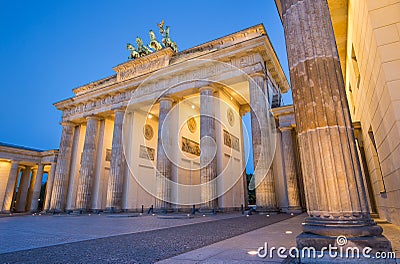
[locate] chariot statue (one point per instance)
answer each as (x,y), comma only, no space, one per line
(166,40)
(154,44)
(134,54)
(142,49)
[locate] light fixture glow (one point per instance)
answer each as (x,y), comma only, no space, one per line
(288,232)
(252,252)
(149,116)
(231,98)
(192,106)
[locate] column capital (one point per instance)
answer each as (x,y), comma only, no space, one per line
(119,109)
(258,74)
(92,117)
(285,128)
(244,109)
(67,123)
(208,87)
(166,98)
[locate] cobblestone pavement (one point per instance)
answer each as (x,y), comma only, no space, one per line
(146,239)
(27,232)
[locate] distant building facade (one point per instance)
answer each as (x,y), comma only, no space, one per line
(21,172)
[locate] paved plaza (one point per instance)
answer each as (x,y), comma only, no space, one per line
(221,238)
(101,238)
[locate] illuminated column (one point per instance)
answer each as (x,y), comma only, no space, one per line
(49,187)
(163,189)
(60,185)
(265,191)
(336,198)
(37,185)
(128,123)
(10,189)
(208,161)
(30,190)
(88,162)
(117,165)
(289,166)
(242,112)
(23,189)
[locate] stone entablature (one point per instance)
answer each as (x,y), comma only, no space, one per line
(284,116)
(143,65)
(95,85)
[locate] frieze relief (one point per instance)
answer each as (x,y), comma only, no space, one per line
(204,71)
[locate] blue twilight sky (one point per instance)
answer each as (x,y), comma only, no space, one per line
(50,47)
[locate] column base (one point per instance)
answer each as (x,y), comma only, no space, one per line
(112,210)
(294,210)
(163,210)
(212,211)
(332,249)
(350,228)
(55,211)
(266,210)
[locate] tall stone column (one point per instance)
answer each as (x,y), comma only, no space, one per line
(289,167)
(208,145)
(88,162)
(335,194)
(60,185)
(117,166)
(37,185)
(242,112)
(49,187)
(10,188)
(163,189)
(23,190)
(265,191)
(31,187)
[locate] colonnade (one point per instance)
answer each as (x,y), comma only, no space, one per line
(24,184)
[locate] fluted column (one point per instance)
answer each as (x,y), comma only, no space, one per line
(60,185)
(88,163)
(163,190)
(49,187)
(23,189)
(31,187)
(117,165)
(37,185)
(289,167)
(242,112)
(265,191)
(208,161)
(336,198)
(10,189)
